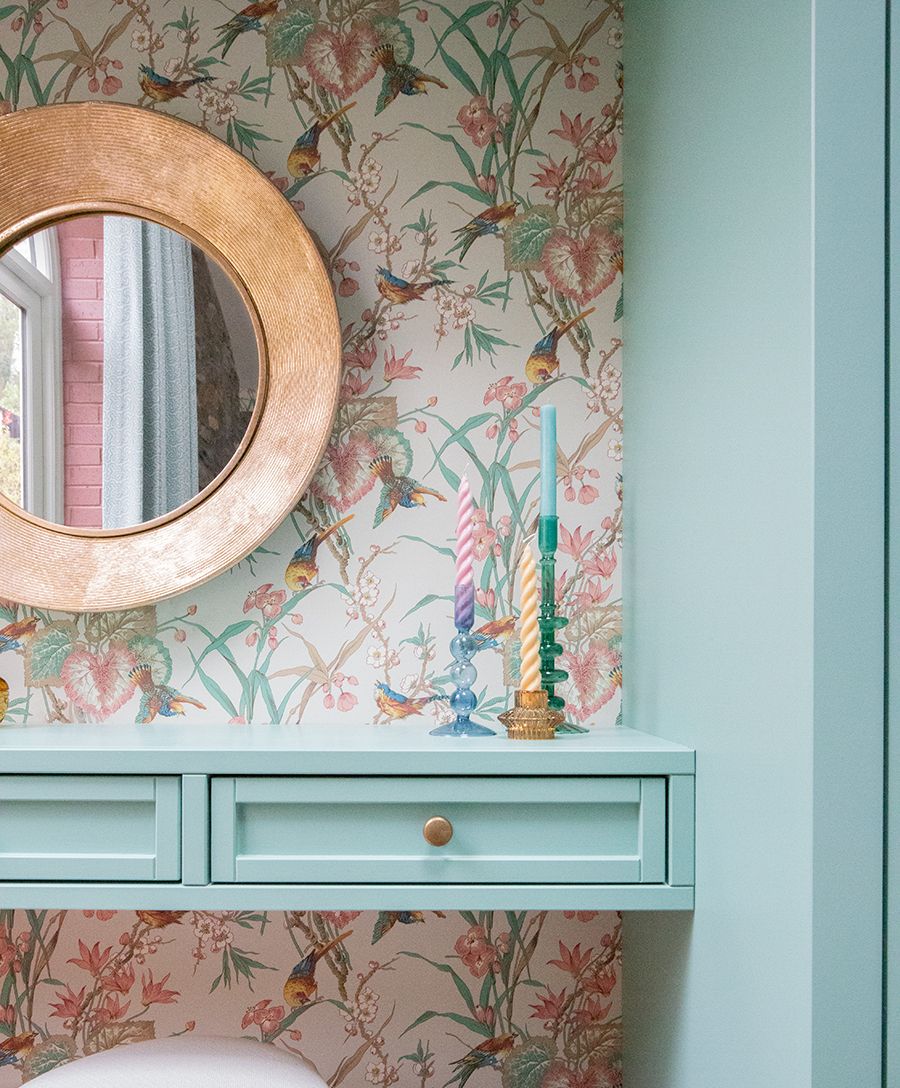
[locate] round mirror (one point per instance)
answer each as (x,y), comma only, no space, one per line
(129,372)
(145,171)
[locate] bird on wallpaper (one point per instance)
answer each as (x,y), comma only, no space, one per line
(496,630)
(398,490)
(162,89)
(159,919)
(17,1047)
(490,221)
(400,79)
(387,919)
(4,698)
(542,362)
(252,17)
(301,982)
(303,570)
(396,289)
(487,1055)
(395,706)
(15,635)
(158,698)
(304,156)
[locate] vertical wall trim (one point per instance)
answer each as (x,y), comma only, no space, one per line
(849,666)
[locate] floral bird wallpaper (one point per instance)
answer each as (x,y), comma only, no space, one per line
(459,165)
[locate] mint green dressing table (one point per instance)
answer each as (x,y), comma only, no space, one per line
(265,816)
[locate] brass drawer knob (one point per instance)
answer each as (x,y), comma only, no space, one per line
(438,831)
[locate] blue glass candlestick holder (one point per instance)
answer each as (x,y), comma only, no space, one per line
(463,674)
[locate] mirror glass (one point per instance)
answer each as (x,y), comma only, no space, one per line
(129,371)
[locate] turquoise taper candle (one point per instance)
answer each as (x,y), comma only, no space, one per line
(548,461)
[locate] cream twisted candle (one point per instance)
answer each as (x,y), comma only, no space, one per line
(530,668)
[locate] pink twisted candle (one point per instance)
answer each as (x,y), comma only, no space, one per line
(464,610)
(530,668)
(465,535)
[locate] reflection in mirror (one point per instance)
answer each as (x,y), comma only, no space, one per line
(129,370)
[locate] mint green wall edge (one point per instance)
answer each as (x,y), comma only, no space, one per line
(892,797)
(754,602)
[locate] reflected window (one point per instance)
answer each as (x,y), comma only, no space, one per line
(30,305)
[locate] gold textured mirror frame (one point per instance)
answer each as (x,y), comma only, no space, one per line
(85,158)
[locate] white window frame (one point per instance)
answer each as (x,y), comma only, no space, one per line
(36,289)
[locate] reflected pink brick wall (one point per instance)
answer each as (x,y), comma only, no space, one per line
(81,269)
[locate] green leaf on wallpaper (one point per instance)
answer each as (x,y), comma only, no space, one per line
(47,1054)
(468,1022)
(286,35)
(527,1065)
(429,598)
(105,626)
(620,306)
(461,987)
(388,440)
(525,238)
(47,652)
(445,137)
(460,187)
(152,652)
(455,68)
(113,1035)
(395,33)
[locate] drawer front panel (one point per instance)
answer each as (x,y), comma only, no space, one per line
(370,830)
(90,828)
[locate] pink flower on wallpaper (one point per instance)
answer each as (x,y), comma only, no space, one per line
(593,1011)
(592,593)
(571,960)
(91,959)
(485,536)
(572,129)
(602,150)
(111,1010)
(475,952)
(340,919)
(551,177)
(119,981)
(601,981)
(100,915)
(360,356)
(264,1014)
(341,61)
(395,368)
(600,564)
(593,671)
(354,386)
(581,915)
(70,1004)
(155,993)
(579,268)
(478,122)
(507,393)
(99,683)
(574,544)
(549,1008)
(267,600)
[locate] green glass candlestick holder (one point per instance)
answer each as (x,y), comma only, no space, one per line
(549,622)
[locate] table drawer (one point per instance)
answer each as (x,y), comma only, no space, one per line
(575,830)
(90,827)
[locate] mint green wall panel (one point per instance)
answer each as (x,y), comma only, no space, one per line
(753,531)
(195,829)
(892,795)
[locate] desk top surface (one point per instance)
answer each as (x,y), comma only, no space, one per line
(396,749)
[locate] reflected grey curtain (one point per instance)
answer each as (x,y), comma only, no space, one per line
(149,372)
